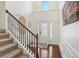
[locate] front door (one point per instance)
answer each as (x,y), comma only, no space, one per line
(45,30)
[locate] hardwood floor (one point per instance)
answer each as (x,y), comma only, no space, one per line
(52,51)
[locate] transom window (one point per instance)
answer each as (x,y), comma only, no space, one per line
(45,5)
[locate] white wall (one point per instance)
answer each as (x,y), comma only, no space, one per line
(70,38)
(53,15)
(37,6)
(61,4)
(46,17)
(2,15)
(18,8)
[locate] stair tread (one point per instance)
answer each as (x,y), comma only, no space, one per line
(12,53)
(24,56)
(5,39)
(2,48)
(2,30)
(3,33)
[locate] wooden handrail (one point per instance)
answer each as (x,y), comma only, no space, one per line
(20,22)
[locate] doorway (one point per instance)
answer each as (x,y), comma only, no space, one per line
(45,30)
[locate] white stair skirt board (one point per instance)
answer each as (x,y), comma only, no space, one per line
(31,54)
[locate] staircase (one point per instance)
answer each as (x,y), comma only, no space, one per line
(9,49)
(24,37)
(22,34)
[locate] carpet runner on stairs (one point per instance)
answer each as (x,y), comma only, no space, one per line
(9,49)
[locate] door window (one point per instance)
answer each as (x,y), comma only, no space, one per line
(44,29)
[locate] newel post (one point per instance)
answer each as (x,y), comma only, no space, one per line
(36,45)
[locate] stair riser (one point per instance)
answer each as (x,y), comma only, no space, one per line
(2,31)
(6,42)
(4,36)
(18,54)
(8,50)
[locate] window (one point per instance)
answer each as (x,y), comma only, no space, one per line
(44,29)
(45,5)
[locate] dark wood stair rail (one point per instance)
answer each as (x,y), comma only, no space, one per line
(22,32)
